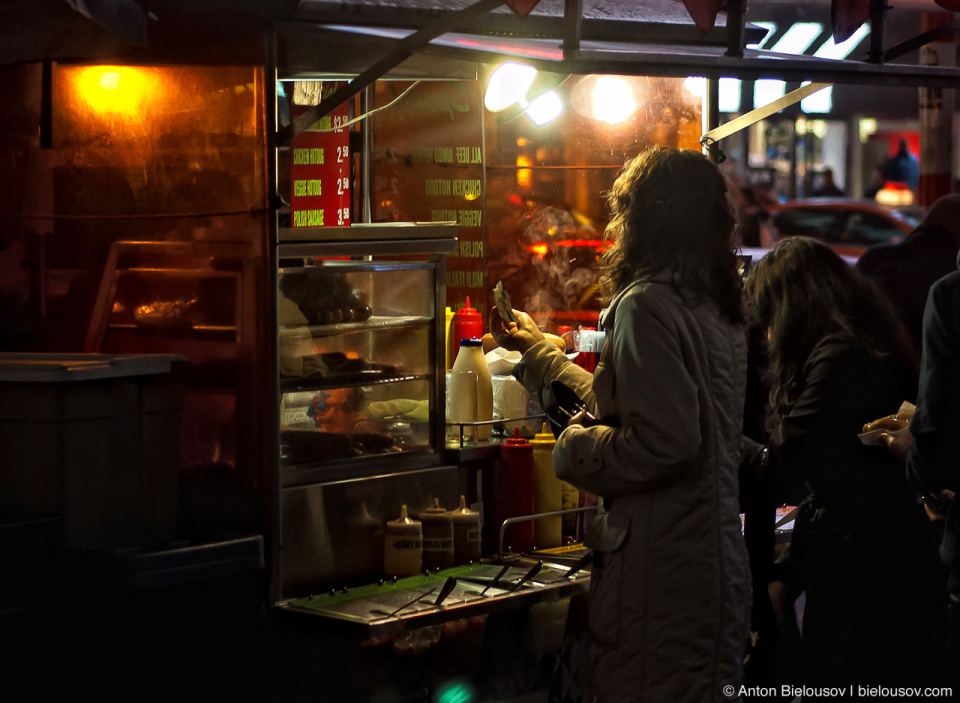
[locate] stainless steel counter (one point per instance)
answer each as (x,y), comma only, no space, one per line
(387,608)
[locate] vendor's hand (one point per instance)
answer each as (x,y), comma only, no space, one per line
(515,336)
(898,445)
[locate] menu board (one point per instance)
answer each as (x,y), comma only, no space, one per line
(428,166)
(319,162)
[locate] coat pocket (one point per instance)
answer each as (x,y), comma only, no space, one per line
(606,537)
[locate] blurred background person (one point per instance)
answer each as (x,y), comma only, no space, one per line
(670,587)
(933,462)
(754,228)
(905,270)
(902,167)
(862,551)
(827,187)
(932,445)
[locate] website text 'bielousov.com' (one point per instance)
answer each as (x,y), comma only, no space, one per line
(851,692)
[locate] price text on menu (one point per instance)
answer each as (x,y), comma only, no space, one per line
(320,171)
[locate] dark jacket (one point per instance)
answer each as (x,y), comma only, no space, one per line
(906,270)
(862,550)
(934,460)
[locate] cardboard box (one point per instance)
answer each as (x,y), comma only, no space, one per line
(93,439)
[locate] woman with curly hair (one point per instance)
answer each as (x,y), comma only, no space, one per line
(670,587)
(862,551)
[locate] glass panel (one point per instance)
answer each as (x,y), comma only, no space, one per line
(427,161)
(140,229)
(349,326)
(343,423)
(145,153)
(356,359)
(334,294)
(546,186)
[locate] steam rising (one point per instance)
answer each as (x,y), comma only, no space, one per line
(566,275)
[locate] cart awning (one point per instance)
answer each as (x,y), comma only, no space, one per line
(64,30)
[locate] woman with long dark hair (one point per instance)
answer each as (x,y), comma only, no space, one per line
(670,587)
(862,551)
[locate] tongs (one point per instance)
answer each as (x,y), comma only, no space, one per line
(445,591)
(496,579)
(533,571)
(510,587)
(579,563)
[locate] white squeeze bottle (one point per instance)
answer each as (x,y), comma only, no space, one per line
(471,389)
(403,546)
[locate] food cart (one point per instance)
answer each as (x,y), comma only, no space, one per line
(289,196)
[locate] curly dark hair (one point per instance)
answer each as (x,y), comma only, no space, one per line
(803,291)
(669,211)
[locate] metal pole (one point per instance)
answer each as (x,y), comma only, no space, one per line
(405,48)
(735,28)
(572,21)
(936,118)
(366,160)
(878,11)
(712,111)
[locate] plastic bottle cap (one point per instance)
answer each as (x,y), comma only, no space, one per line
(404,523)
(517,440)
(434,511)
(467,310)
(544,435)
(463,513)
(471,342)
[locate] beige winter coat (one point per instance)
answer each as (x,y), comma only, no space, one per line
(670,590)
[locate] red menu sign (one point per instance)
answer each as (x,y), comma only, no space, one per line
(320,169)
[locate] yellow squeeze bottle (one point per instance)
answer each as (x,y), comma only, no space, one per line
(548,491)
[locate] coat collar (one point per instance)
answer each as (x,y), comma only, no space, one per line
(608,314)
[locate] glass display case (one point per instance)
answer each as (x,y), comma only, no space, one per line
(360,349)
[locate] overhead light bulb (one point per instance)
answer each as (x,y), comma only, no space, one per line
(109,80)
(545,108)
(508,84)
(610,99)
(696,86)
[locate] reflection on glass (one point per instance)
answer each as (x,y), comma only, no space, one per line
(546,185)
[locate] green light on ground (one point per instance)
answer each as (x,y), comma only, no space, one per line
(454,692)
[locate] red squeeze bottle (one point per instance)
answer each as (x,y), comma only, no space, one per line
(466,324)
(516,490)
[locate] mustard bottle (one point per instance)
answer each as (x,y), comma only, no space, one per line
(548,491)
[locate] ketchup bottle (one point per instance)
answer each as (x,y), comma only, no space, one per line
(466,323)
(513,493)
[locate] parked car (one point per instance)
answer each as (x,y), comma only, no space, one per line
(849,226)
